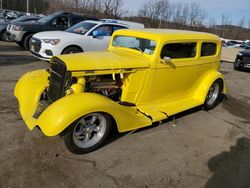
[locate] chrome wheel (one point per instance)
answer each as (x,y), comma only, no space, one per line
(213,93)
(5,36)
(89,130)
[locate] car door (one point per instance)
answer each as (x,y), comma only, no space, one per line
(101,41)
(175,72)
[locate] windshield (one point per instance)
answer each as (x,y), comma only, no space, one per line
(46,19)
(144,45)
(81,28)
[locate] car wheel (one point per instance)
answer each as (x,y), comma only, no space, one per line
(20,43)
(237,65)
(88,133)
(5,36)
(214,95)
(71,50)
(26,41)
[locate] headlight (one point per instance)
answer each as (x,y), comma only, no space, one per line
(239,54)
(52,41)
(17,27)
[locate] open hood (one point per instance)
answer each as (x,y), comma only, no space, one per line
(103,60)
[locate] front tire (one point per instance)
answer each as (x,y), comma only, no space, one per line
(5,36)
(71,50)
(214,95)
(26,41)
(88,133)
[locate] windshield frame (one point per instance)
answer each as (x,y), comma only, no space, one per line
(149,51)
(77,26)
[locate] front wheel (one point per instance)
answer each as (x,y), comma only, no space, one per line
(88,133)
(26,41)
(5,36)
(214,95)
(71,50)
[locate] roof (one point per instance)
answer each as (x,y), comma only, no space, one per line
(117,22)
(167,34)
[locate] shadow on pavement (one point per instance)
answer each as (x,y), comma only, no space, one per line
(9,60)
(8,47)
(231,169)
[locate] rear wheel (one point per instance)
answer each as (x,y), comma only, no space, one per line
(71,50)
(214,95)
(26,41)
(88,133)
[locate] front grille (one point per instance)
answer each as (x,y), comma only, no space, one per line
(246,59)
(35,44)
(57,80)
(9,26)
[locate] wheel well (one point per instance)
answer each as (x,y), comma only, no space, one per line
(114,124)
(25,35)
(222,82)
(75,46)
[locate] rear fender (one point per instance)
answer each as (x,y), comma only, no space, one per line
(204,84)
(59,115)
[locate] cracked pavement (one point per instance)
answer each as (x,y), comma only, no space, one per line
(194,149)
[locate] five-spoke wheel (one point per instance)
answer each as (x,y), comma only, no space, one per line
(88,133)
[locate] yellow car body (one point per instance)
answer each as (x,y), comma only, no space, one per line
(151,88)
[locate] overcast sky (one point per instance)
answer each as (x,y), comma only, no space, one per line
(235,9)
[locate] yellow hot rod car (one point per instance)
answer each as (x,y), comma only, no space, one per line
(144,76)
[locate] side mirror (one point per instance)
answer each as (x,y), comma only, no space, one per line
(167,59)
(95,34)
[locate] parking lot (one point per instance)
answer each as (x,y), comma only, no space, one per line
(194,149)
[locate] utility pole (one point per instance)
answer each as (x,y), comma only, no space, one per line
(77,6)
(27,6)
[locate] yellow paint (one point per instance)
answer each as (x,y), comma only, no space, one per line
(157,88)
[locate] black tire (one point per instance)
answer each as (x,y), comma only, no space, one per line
(235,65)
(5,36)
(26,41)
(71,50)
(20,43)
(214,95)
(77,129)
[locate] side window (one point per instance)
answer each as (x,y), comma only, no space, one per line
(179,50)
(117,27)
(208,49)
(104,30)
(76,20)
(61,22)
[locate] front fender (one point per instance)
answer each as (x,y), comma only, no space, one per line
(28,91)
(59,115)
(204,84)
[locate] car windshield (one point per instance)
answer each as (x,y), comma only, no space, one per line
(143,45)
(247,44)
(46,19)
(81,28)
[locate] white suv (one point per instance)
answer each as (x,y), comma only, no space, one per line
(85,36)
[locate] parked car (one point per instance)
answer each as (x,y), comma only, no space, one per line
(5,27)
(22,32)
(82,37)
(242,60)
(145,76)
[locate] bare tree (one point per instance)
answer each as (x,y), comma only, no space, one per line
(241,22)
(117,8)
(196,14)
(225,20)
(107,7)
